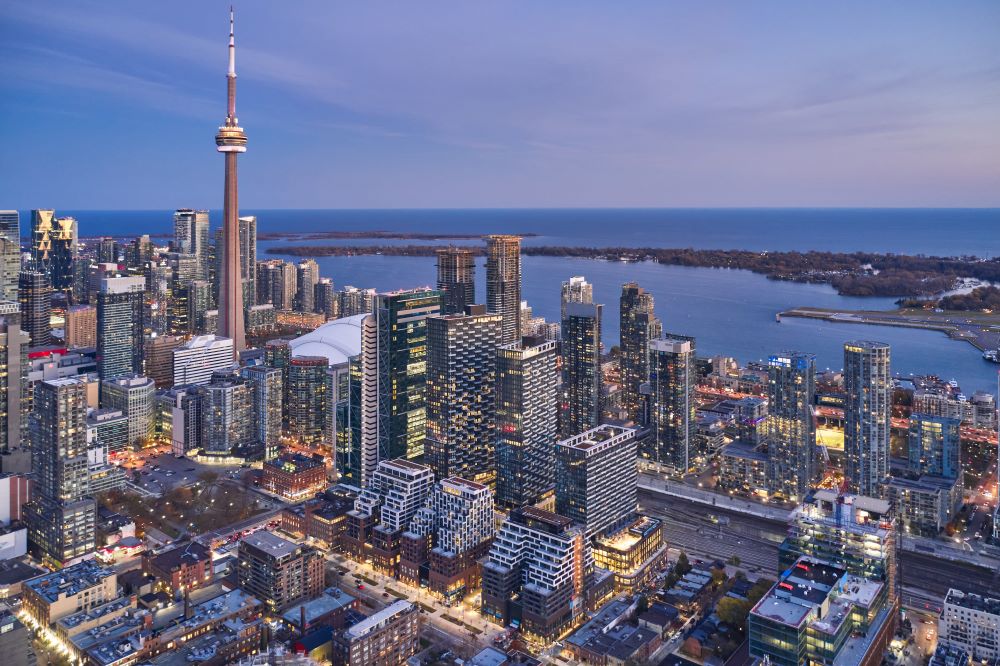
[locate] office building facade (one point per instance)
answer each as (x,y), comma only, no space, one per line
(581,352)
(135,396)
(54,247)
(120,308)
(10,254)
(35,296)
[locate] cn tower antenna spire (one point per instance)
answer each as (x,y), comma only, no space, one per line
(231,141)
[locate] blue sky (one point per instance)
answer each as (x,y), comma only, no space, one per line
(512,103)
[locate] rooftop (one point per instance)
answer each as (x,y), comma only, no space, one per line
(270,543)
(972,601)
(337,340)
(333,599)
(379,619)
(69,581)
(596,440)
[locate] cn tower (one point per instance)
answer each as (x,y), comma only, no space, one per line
(231,141)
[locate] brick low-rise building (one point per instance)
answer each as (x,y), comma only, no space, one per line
(277,571)
(390,636)
(181,569)
(294,477)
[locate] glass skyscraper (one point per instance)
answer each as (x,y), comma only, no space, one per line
(791,428)
(868,388)
(673,377)
(637,326)
(581,352)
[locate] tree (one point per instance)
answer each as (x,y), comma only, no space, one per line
(683,566)
(733,611)
(759,589)
(642,605)
(718,577)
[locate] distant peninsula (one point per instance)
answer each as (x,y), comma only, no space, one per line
(851,274)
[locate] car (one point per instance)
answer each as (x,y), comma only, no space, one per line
(385,594)
(361,586)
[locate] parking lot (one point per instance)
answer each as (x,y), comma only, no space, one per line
(160,473)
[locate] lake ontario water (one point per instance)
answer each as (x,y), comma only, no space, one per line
(729,312)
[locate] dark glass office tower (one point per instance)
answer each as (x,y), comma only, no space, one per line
(581,352)
(456,278)
(638,325)
(401,320)
(35,294)
(673,378)
(54,247)
(120,307)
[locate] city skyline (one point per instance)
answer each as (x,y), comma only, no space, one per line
(665,106)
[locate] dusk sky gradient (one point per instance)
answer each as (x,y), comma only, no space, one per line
(503,104)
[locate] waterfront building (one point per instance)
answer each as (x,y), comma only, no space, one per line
(971,623)
(638,325)
(791,428)
(267,397)
(597,478)
(231,141)
(61,516)
(527,421)
(821,613)
(10,253)
(54,247)
(456,278)
(401,321)
(225,406)
(294,477)
(540,573)
(120,310)
(850,531)
(277,282)
(979,411)
(325,299)
(390,636)
(461,394)
(935,446)
(354,301)
(307,277)
(868,388)
(575,290)
(35,296)
(197,359)
(503,282)
(581,352)
(134,396)
(673,376)
(277,571)
(447,537)
(308,400)
(383,509)
(15,398)
(81,326)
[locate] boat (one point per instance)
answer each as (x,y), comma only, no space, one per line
(992,355)
(777,318)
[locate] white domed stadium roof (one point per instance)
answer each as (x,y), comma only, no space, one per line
(337,340)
